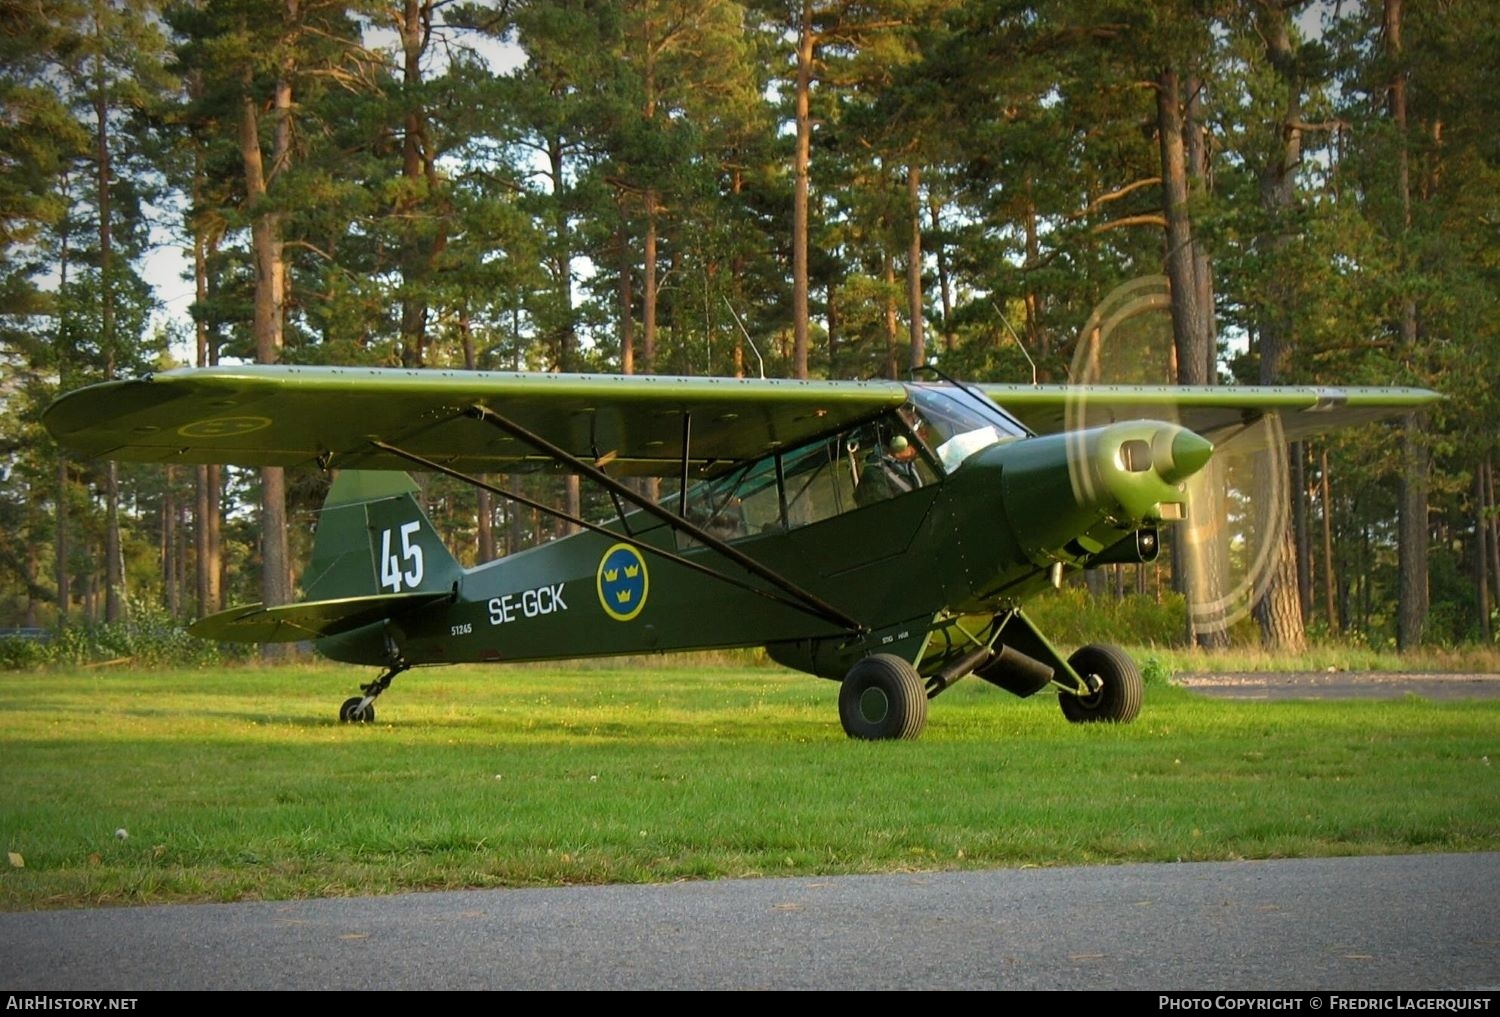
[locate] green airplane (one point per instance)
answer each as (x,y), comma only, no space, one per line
(882,534)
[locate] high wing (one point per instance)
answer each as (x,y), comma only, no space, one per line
(644,425)
(1219,413)
(283,416)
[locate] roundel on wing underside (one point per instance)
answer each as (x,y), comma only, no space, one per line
(622,582)
(223,427)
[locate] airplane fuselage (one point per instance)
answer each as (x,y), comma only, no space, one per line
(986,534)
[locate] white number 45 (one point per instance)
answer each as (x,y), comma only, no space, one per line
(391,575)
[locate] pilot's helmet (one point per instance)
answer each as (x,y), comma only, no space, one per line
(898,445)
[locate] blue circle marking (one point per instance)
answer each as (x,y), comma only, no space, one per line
(622,582)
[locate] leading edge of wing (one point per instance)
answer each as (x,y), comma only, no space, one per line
(260,415)
(313,619)
(1218,412)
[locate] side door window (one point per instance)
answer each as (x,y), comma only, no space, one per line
(883,459)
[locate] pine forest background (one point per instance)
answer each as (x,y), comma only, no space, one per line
(804,188)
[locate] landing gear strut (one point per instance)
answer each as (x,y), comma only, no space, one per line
(361,709)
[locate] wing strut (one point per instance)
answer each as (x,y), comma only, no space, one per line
(814,603)
(682,487)
(623,538)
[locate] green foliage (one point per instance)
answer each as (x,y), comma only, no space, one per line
(1071,617)
(149,639)
(1155,673)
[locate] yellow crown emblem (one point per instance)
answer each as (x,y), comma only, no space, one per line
(610,575)
(623,596)
(631,571)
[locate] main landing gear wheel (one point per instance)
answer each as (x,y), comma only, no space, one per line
(883,697)
(350,713)
(1118,698)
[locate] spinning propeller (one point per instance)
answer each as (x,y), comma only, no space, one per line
(1237,512)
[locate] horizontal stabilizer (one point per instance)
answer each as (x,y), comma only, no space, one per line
(314,619)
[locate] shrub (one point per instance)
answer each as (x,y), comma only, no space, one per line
(1071,617)
(150,638)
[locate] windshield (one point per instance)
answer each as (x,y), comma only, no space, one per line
(955,424)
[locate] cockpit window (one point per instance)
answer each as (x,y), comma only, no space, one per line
(898,452)
(955,426)
(881,459)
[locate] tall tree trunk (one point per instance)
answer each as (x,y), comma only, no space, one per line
(914,268)
(114,551)
(940,255)
(414,27)
(484,508)
(627,296)
(270,299)
(60,549)
(1302,538)
(1330,577)
(216,537)
(61,544)
(1492,520)
(207,564)
(32,563)
(1187,327)
(1416,464)
(1201,561)
(169,542)
(1036,339)
(1364,575)
(1481,554)
(801,229)
(835,326)
(515,526)
(1198,183)
(1190,327)
(888,272)
(204,571)
(648,293)
(114,557)
(1279,610)
(737,283)
(562,270)
(566,338)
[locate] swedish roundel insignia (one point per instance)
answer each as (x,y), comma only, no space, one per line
(622,582)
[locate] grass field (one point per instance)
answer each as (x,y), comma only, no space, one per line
(238,784)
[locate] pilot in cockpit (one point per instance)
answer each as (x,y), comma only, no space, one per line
(890,470)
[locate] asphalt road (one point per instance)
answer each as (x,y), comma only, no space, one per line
(1405,923)
(1341,685)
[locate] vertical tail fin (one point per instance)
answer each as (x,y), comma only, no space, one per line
(373,537)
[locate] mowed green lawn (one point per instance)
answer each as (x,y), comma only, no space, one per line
(238,784)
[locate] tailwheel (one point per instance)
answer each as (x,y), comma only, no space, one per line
(361,709)
(1116,683)
(356,711)
(883,697)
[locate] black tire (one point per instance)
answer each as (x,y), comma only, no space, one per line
(1119,697)
(883,697)
(350,713)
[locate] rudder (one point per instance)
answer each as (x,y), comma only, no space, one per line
(373,538)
